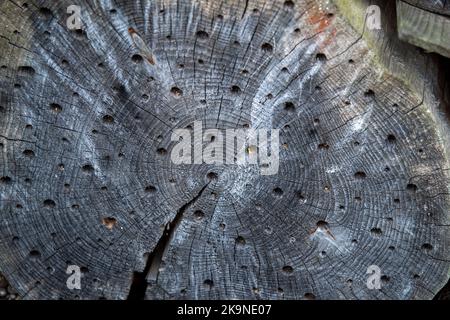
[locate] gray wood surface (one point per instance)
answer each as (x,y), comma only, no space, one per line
(84,180)
(430,31)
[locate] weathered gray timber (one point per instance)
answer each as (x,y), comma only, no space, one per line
(428,30)
(85,141)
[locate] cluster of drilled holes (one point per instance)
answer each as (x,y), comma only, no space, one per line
(267,47)
(287,269)
(150,189)
(201,34)
(376,232)
(109,222)
(177,92)
(240,240)
(56,108)
(289,107)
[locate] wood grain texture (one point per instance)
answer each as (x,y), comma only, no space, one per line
(430,31)
(436,6)
(86,176)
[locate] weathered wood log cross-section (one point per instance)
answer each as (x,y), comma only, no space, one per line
(86,177)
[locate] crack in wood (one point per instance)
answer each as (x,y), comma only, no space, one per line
(141,279)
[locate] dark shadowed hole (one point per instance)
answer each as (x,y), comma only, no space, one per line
(199,214)
(309,296)
(208,283)
(136,58)
(202,34)
(109,222)
(288,269)
(240,240)
(376,231)
(411,187)
(391,138)
(427,247)
(161,151)
(321,57)
(360,175)
(5,180)
(369,93)
(235,89)
(385,278)
(278,192)
(177,92)
(56,108)
(108,119)
(267,47)
(289,107)
(323,146)
(87,168)
(35,254)
(28,153)
(46,12)
(322,224)
(289,4)
(26,71)
(212,176)
(150,189)
(49,203)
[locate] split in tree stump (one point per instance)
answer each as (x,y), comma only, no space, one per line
(86,118)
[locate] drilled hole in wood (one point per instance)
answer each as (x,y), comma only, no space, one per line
(376,231)
(49,203)
(199,214)
(391,138)
(267,47)
(289,107)
(109,222)
(150,189)
(289,4)
(235,89)
(240,240)
(201,34)
(321,57)
(35,254)
(309,296)
(56,108)
(360,175)
(288,269)
(177,92)
(87,168)
(108,119)
(278,192)
(28,153)
(427,247)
